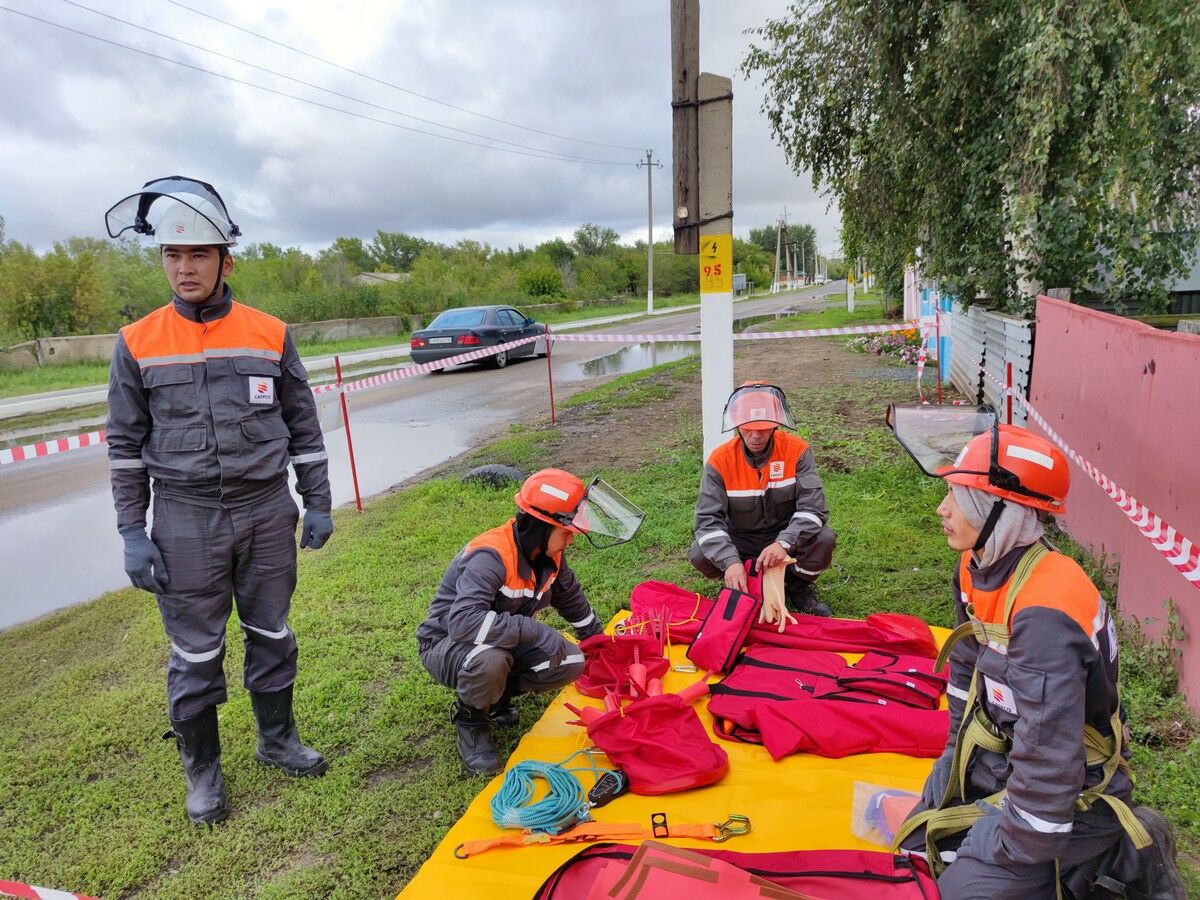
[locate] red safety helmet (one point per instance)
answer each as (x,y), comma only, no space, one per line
(1014,464)
(757,406)
(554,496)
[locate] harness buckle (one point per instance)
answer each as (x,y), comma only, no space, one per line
(733,826)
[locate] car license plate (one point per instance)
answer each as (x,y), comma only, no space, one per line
(440,340)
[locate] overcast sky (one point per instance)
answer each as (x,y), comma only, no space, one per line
(84,123)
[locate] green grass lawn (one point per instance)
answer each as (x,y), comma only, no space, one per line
(93,799)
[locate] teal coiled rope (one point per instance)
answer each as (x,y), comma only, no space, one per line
(564,805)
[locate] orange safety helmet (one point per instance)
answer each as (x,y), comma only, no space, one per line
(757,406)
(1014,464)
(554,496)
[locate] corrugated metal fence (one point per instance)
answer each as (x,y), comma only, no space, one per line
(990,340)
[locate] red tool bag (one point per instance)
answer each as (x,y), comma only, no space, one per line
(680,613)
(724,630)
(763,674)
(827,874)
(907,679)
(660,744)
(837,728)
(607,661)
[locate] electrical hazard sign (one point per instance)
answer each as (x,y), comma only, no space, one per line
(716,264)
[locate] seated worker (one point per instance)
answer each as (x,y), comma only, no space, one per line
(1034,786)
(482,637)
(762,499)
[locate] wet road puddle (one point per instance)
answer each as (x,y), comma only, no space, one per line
(632,358)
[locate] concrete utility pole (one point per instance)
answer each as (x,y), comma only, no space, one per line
(779,241)
(803,265)
(649,165)
(685,149)
(715,94)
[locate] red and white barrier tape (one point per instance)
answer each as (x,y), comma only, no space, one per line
(743,336)
(50,448)
(374,381)
(1178,551)
(61,445)
(28,891)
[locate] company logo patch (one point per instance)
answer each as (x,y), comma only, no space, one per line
(262,390)
(180,229)
(776,468)
(1000,695)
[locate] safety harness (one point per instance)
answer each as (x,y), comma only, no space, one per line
(954,814)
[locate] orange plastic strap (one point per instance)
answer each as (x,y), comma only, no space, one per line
(595,831)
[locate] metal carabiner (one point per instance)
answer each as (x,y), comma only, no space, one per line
(734,826)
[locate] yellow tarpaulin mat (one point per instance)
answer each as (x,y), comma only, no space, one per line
(800,803)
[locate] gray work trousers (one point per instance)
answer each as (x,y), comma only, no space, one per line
(479,674)
(1094,833)
(215,557)
(812,556)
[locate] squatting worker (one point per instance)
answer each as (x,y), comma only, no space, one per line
(482,637)
(208,398)
(1034,785)
(762,499)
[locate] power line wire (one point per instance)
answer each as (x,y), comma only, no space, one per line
(278,93)
(392,85)
(309,84)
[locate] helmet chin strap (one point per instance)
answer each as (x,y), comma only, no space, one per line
(989,526)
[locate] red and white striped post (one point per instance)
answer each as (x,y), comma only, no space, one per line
(1008,389)
(337,366)
(550,375)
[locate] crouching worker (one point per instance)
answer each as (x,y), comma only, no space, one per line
(762,499)
(1032,795)
(482,637)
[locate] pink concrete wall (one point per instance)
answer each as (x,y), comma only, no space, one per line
(1125,397)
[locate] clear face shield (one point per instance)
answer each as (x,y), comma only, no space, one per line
(935,435)
(606,517)
(174,211)
(757,403)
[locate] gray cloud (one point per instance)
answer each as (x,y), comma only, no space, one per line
(83,123)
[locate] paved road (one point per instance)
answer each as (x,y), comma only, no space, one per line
(56,512)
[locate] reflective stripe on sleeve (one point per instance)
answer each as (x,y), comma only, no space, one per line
(813,517)
(309,458)
(588,621)
(125,464)
(484,628)
(197,657)
(1041,824)
(712,535)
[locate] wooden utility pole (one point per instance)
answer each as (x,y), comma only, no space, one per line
(685,71)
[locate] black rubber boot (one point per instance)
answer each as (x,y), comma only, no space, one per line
(278,743)
(199,746)
(803,599)
(1158,875)
(475,740)
(503,714)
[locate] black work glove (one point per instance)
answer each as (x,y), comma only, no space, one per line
(143,561)
(317,528)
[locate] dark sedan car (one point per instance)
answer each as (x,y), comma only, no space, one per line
(457,331)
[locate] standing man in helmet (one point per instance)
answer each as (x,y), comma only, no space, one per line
(1034,786)
(208,398)
(482,637)
(761,499)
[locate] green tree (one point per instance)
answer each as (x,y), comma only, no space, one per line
(1019,145)
(560,252)
(396,249)
(593,240)
(352,251)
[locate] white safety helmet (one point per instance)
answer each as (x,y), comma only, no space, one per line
(175,210)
